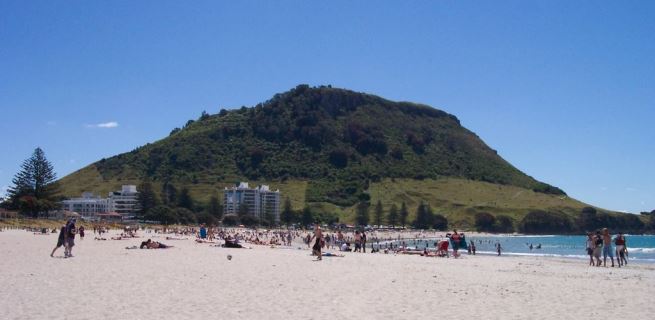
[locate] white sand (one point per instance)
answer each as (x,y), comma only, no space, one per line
(192,281)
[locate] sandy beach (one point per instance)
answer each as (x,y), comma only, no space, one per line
(193,281)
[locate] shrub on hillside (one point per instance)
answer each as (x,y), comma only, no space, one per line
(543,222)
(439,222)
(339,158)
(504,224)
(484,221)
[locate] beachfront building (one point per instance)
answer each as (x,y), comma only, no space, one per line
(88,206)
(125,202)
(258,202)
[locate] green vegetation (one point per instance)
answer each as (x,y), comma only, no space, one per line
(338,140)
(332,153)
(34,188)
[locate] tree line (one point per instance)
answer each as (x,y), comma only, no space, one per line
(173,206)
(544,222)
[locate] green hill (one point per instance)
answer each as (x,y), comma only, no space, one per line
(328,148)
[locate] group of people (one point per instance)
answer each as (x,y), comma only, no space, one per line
(67,238)
(602,242)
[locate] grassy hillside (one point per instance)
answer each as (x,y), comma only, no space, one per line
(327,148)
(457,199)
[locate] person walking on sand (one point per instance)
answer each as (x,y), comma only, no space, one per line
(358,241)
(590,248)
(60,240)
(619,241)
(363,241)
(316,249)
(598,247)
(81,232)
(455,239)
(607,247)
(69,238)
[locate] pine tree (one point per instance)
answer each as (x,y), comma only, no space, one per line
(244,210)
(269,219)
(287,212)
(169,193)
(307,216)
(147,197)
(403,214)
(34,185)
(215,208)
(184,200)
(362,213)
(392,218)
(379,211)
(423,216)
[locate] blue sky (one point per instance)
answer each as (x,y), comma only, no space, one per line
(564,90)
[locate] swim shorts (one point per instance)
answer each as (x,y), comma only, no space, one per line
(608,252)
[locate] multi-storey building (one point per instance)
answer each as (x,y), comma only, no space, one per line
(124,202)
(88,205)
(258,202)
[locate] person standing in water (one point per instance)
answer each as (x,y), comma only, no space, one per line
(499,249)
(316,249)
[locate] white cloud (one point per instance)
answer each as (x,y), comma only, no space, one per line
(629,189)
(51,123)
(104,125)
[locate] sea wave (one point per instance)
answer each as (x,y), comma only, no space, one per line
(554,255)
(644,250)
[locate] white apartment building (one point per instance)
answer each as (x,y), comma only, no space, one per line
(125,202)
(259,201)
(88,205)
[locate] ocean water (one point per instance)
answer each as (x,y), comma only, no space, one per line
(640,248)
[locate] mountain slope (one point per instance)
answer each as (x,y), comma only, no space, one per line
(336,143)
